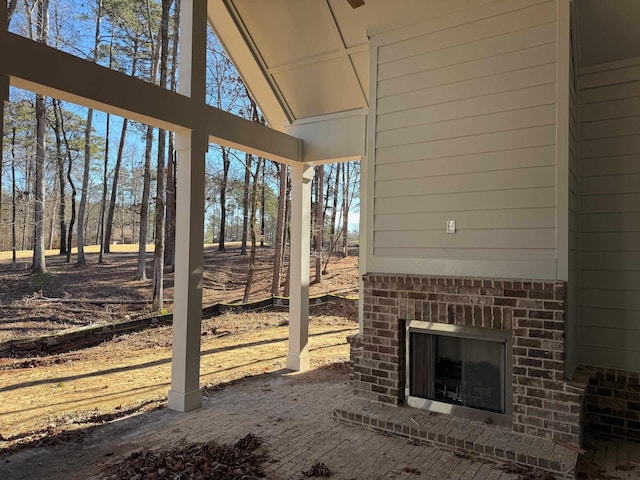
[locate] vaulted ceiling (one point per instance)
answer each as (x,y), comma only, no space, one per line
(313,54)
(308,58)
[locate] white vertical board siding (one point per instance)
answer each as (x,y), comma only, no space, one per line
(463,127)
(609,192)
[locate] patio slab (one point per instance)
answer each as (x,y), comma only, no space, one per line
(291,412)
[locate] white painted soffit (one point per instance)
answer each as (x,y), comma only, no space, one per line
(310,58)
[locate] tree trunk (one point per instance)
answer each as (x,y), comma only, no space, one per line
(116,171)
(334,210)
(114,188)
(141,274)
(252,221)
(72,220)
(13,196)
(170,226)
(345,210)
(103,203)
(81,260)
(319,222)
(279,239)
(62,206)
(287,238)
(158,252)
(87,155)
(262,208)
(226,162)
(39,263)
(170,222)
(245,203)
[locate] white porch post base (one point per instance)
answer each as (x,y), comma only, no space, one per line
(299,363)
(185,402)
(298,357)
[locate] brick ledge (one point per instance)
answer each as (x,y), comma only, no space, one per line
(465,436)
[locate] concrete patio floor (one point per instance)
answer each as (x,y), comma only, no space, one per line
(293,414)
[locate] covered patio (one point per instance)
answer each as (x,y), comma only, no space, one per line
(292,413)
(499,201)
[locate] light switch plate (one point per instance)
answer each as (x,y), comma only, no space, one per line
(451,226)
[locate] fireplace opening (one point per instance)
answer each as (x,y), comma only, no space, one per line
(458,370)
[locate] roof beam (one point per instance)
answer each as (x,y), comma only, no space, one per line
(50,72)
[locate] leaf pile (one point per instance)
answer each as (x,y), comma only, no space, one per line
(195,461)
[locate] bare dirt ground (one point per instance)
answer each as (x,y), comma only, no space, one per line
(33,305)
(45,398)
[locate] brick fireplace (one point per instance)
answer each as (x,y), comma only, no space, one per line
(543,403)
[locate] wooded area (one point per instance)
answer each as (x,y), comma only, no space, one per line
(72,177)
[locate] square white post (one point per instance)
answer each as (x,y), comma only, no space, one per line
(185,391)
(191,148)
(298,357)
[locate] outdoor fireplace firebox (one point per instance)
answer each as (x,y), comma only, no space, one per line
(461,370)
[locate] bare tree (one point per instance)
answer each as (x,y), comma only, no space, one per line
(87,151)
(60,161)
(170,227)
(319,221)
(226,163)
(245,204)
(279,236)
(158,254)
(252,228)
(39,263)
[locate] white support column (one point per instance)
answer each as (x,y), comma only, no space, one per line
(185,391)
(192,147)
(298,357)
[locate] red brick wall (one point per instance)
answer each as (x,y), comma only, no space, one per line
(544,404)
(613,403)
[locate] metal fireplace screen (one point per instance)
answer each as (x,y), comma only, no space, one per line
(467,372)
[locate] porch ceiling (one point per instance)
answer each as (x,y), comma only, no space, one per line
(312,56)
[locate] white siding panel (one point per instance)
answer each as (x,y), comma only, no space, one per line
(627,107)
(450,91)
(490,142)
(610,92)
(621,165)
(615,127)
(612,184)
(603,147)
(627,202)
(509,62)
(466,220)
(610,77)
(620,319)
(614,261)
(611,222)
(612,241)
(472,201)
(476,106)
(519,19)
(471,182)
(496,122)
(501,44)
(464,128)
(490,254)
(610,280)
(609,319)
(502,238)
(477,162)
